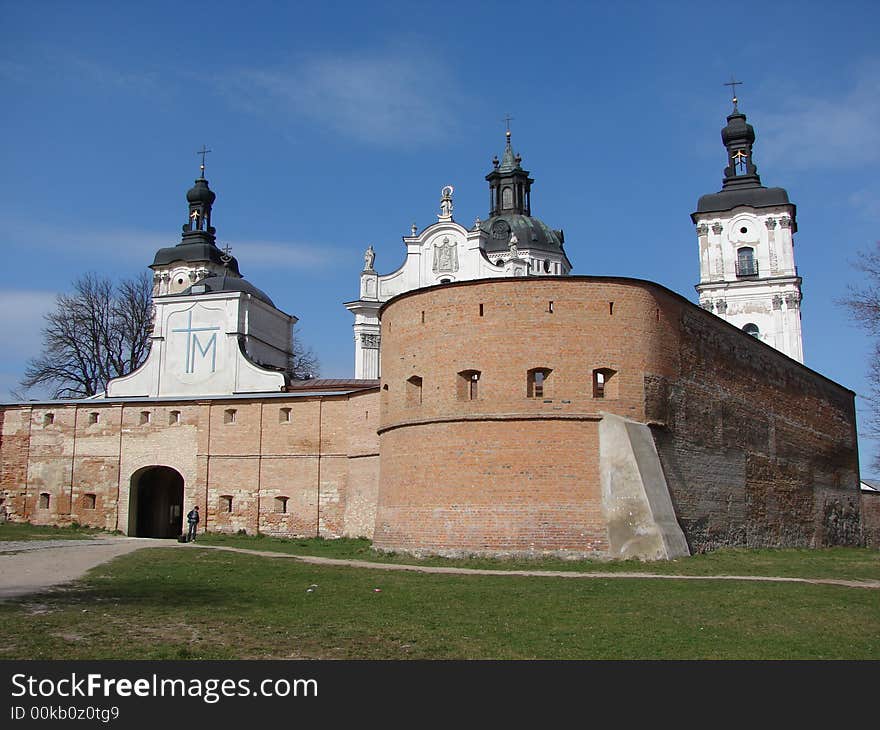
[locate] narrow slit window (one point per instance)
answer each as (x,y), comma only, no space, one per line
(468,384)
(414,391)
(536,386)
(550,307)
(611,308)
(604,384)
(481,310)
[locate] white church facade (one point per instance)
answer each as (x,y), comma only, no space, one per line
(510,242)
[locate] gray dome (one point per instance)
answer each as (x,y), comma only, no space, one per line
(228,283)
(531,233)
(201,193)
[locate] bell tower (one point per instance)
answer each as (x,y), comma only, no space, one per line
(745,234)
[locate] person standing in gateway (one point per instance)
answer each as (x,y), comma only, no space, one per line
(193,521)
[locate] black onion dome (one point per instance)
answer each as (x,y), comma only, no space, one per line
(737,130)
(191,252)
(228,283)
(531,233)
(201,193)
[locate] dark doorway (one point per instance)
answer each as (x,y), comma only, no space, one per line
(156,503)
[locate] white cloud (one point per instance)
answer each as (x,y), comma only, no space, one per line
(21,321)
(831,132)
(403,95)
(279,255)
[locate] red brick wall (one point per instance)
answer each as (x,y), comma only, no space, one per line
(757,450)
(506,472)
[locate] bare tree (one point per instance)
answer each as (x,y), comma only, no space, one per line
(863,303)
(97,333)
(303,362)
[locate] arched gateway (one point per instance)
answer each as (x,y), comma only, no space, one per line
(155,502)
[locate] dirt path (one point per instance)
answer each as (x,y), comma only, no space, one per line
(33,566)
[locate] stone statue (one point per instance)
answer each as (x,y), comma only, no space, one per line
(369,258)
(446,202)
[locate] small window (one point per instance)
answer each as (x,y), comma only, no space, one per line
(550,307)
(536,386)
(145,418)
(44,500)
(94,417)
(546,266)
(226,503)
(445,281)
(603,386)
(752,329)
(468,384)
(89,501)
(173,418)
(48,419)
(481,310)
(414,391)
(284,415)
(229,415)
(423,316)
(281,505)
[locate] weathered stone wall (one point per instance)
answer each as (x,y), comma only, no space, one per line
(757,449)
(870,514)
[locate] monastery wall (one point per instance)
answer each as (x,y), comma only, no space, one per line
(755,448)
(279,465)
(507,469)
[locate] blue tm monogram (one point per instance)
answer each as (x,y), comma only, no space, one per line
(193,343)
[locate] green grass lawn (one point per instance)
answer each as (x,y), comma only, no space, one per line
(183,602)
(843,563)
(10,531)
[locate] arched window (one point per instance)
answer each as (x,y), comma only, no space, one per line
(746,265)
(752,329)
(507,198)
(468,382)
(536,382)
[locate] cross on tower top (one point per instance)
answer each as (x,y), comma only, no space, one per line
(733,83)
(204,151)
(508,119)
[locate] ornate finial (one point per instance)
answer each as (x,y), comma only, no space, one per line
(508,119)
(204,151)
(446,203)
(495,162)
(414,229)
(226,256)
(733,83)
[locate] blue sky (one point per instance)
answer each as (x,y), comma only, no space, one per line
(334,125)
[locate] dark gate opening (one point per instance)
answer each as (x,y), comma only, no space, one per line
(156,503)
